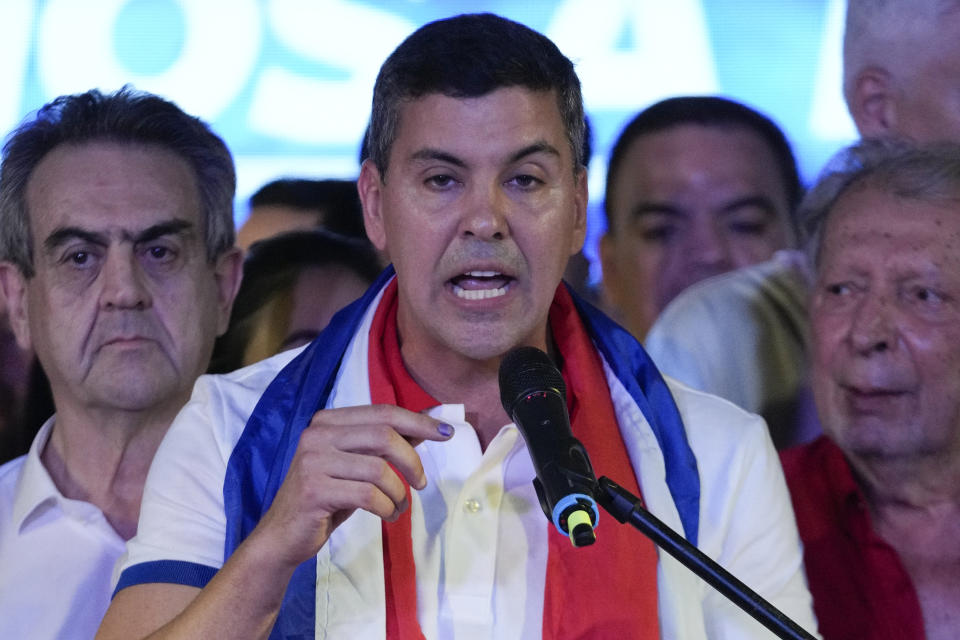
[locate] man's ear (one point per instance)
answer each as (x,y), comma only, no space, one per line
(370,188)
(228,272)
(580,200)
(611,281)
(873,103)
(13,288)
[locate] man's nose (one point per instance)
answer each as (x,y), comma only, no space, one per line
(873,326)
(124,283)
(709,248)
(485,214)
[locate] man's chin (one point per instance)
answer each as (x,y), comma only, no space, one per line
(489,343)
(886,442)
(138,391)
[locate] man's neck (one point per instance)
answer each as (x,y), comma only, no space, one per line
(454,379)
(915,502)
(915,507)
(102,457)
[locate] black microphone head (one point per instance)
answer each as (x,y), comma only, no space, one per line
(525,370)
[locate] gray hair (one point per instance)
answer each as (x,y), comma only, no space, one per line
(924,174)
(887,33)
(126,117)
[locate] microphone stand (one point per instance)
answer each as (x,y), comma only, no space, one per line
(626,507)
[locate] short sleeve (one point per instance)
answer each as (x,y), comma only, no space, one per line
(747,521)
(182,527)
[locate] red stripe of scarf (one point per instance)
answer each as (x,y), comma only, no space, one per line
(608,590)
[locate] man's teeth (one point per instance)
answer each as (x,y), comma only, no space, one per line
(481,285)
(478,294)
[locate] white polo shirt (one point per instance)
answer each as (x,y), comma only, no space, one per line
(479,537)
(56,554)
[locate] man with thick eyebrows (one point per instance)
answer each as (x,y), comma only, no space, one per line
(118,266)
(291,515)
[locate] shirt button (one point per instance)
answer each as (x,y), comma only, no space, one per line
(472,505)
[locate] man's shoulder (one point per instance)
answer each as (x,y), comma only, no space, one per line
(820,482)
(742,335)
(256,376)
(223,403)
(781,283)
(241,389)
(705,414)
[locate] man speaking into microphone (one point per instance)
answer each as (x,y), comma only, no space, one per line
(372,485)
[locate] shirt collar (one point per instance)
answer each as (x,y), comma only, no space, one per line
(850,502)
(35,490)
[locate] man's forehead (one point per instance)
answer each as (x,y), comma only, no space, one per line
(918,223)
(704,165)
(509,113)
(691,142)
(133,183)
(78,152)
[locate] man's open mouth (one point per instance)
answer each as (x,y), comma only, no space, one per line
(480,285)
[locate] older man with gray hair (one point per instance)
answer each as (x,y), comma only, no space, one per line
(877,498)
(118,264)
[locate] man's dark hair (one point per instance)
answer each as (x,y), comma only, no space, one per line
(335,203)
(271,269)
(469,56)
(124,117)
(707,111)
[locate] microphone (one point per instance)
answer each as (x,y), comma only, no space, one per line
(535,397)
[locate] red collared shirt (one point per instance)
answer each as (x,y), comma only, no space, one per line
(860,588)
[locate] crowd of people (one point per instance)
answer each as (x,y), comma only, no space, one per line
(294,429)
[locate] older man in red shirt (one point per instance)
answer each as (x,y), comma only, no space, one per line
(877,498)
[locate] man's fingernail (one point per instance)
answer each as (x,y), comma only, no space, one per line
(445,429)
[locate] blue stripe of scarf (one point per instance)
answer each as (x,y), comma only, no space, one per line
(262,456)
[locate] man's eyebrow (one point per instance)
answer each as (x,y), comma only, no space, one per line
(536,147)
(642,209)
(437,154)
(760,202)
(168,228)
(443,156)
(63,235)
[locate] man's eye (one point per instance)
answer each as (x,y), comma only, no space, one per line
(525,181)
(749,228)
(160,254)
(660,233)
(838,289)
(79,259)
(441,181)
(925,294)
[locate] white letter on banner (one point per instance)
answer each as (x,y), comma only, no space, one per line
(657,65)
(222,42)
(351,37)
